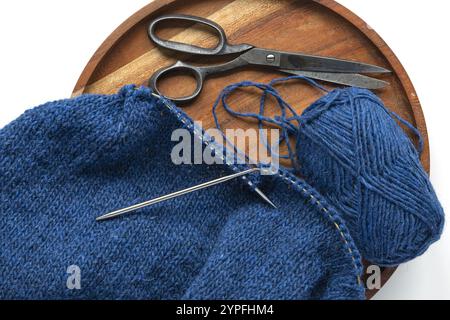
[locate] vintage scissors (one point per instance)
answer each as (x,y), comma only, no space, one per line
(328,69)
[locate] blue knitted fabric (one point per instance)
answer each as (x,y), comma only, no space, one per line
(352,150)
(66,162)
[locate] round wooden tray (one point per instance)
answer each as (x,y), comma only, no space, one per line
(321,27)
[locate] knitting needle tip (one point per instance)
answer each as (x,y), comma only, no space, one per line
(265,198)
(105,217)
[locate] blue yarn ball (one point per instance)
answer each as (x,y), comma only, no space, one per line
(352,150)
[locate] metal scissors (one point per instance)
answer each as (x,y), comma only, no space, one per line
(328,69)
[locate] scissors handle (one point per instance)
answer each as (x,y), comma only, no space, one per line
(199,74)
(222,48)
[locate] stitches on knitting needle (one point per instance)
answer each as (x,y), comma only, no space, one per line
(207,140)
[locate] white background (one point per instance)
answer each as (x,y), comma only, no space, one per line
(46,44)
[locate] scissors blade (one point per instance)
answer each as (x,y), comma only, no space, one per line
(304,62)
(347,79)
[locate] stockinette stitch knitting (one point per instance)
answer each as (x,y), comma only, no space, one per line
(352,150)
(66,162)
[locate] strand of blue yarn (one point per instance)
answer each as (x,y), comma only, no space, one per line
(288,120)
(284,121)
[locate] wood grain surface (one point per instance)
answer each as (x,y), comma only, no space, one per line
(320,27)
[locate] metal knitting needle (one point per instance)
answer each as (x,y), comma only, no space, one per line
(185,191)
